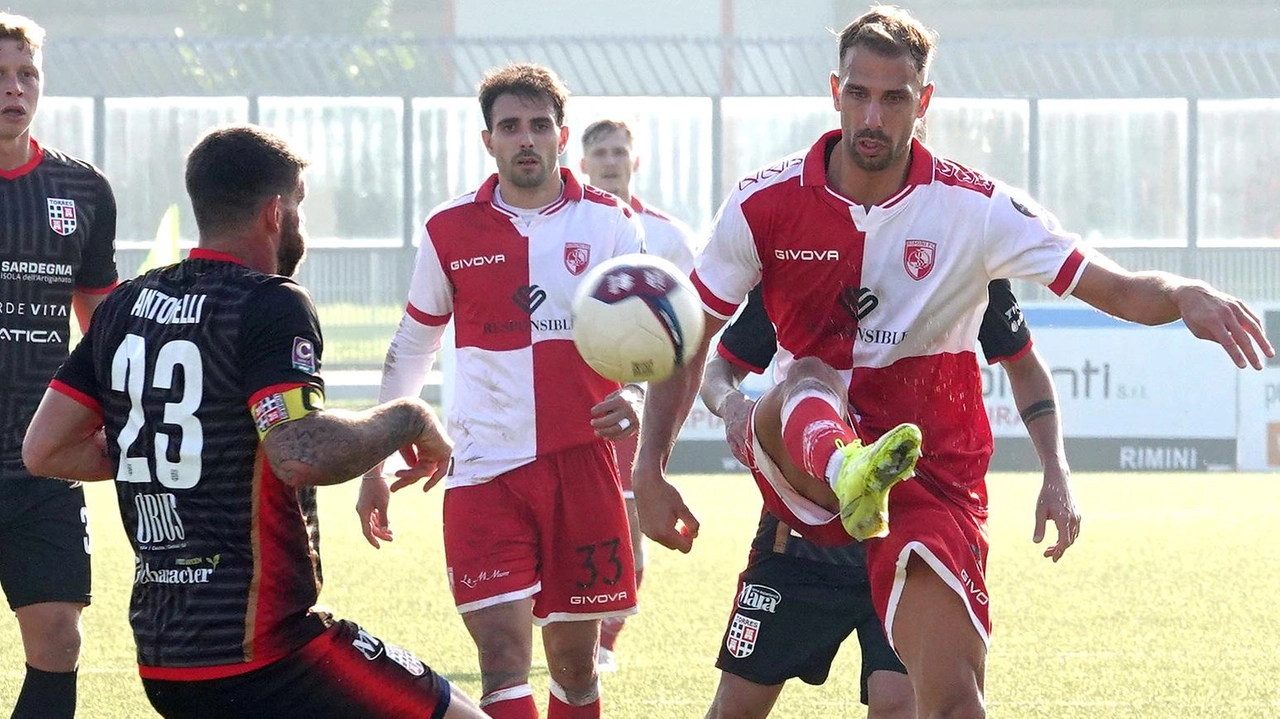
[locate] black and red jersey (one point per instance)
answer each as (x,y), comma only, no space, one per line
(227,556)
(57,235)
(750,343)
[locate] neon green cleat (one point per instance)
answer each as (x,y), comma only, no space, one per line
(867,475)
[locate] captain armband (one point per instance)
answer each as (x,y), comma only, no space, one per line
(1036,410)
(276,408)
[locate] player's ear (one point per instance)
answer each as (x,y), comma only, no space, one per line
(926,94)
(635,163)
(564,139)
(487,137)
(582,165)
(273,213)
(835,91)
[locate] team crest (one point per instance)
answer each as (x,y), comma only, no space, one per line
(917,258)
(62,216)
(743,633)
(577,255)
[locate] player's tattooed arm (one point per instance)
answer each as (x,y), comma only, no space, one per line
(330,447)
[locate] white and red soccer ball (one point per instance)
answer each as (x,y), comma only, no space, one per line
(636,318)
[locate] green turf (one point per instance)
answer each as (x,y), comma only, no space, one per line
(1165,609)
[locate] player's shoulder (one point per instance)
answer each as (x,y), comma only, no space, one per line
(594,197)
(783,172)
(952,174)
(63,162)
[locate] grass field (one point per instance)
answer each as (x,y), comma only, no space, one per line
(1166,608)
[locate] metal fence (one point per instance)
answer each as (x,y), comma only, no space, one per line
(1164,153)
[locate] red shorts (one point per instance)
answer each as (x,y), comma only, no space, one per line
(950,539)
(555,530)
(625,450)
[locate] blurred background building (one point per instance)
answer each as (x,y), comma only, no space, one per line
(1150,127)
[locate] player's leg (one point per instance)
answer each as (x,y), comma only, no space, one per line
(890,696)
(801,424)
(586,570)
(625,448)
(944,654)
(491,548)
(928,584)
(886,688)
(45,573)
(575,684)
(739,698)
(503,634)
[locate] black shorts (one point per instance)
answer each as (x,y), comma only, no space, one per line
(44,540)
(345,673)
(792,615)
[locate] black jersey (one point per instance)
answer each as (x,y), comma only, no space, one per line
(750,342)
(227,562)
(57,235)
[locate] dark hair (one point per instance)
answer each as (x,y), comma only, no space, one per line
(597,131)
(21,28)
(525,80)
(232,170)
(890,31)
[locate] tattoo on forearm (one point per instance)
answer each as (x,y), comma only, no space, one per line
(1036,410)
(339,446)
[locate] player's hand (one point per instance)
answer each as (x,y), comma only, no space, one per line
(1056,503)
(664,517)
(371,507)
(737,412)
(1219,317)
(618,415)
(426,456)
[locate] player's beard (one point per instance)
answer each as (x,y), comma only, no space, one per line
(893,152)
(292,245)
(538,178)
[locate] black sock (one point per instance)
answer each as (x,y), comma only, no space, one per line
(46,695)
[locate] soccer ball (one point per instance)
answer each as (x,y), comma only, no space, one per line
(636,318)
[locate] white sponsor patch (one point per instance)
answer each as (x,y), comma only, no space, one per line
(760,598)
(743,633)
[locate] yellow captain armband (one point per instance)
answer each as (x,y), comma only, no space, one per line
(273,407)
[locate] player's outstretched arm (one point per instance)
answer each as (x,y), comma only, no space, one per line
(1036,397)
(720,381)
(65,440)
(664,517)
(1154,298)
(330,447)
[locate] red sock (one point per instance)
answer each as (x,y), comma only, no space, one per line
(810,427)
(612,626)
(510,703)
(557,709)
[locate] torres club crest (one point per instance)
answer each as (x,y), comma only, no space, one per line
(62,216)
(917,258)
(577,255)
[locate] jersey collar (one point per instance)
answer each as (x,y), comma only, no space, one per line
(573,192)
(814,171)
(37,156)
(203,253)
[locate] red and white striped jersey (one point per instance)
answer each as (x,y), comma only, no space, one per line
(521,389)
(666,237)
(892,297)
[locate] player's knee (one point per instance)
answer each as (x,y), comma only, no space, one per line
(966,707)
(52,638)
(577,675)
(813,373)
